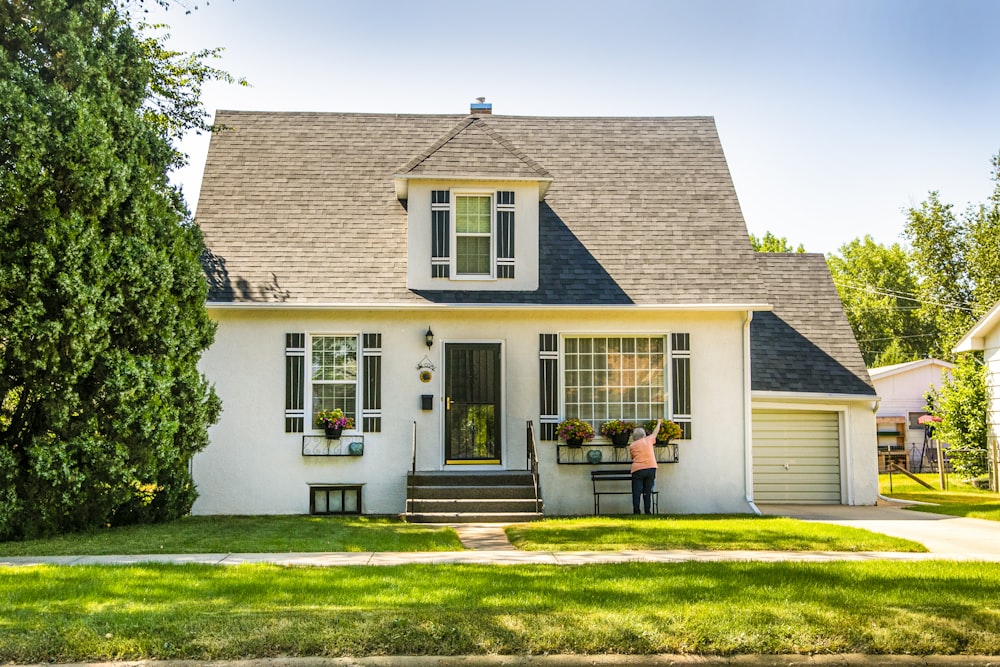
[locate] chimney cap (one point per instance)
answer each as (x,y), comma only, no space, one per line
(481,107)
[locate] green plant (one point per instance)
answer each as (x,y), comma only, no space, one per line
(333,419)
(610,429)
(668,431)
(575,429)
(211,613)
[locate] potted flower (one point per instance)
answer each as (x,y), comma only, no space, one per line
(668,431)
(333,422)
(617,431)
(574,431)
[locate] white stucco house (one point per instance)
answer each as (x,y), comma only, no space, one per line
(458,284)
(902,389)
(985,337)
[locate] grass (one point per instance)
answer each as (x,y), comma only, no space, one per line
(285,534)
(736,532)
(246,534)
(958,499)
(64,614)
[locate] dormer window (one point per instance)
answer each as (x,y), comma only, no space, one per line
(473,235)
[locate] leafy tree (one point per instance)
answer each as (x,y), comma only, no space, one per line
(961,405)
(771,243)
(959,261)
(101,291)
(940,248)
(983,256)
(877,286)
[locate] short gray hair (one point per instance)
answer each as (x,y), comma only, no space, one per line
(638,434)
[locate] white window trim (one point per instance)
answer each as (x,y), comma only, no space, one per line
(668,403)
(358,384)
(453,232)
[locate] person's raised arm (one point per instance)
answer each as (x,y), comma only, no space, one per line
(656,429)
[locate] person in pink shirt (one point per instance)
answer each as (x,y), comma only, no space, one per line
(643,467)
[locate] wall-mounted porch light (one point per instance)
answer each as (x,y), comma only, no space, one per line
(429,337)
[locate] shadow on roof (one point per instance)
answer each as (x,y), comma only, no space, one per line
(567,274)
(782,359)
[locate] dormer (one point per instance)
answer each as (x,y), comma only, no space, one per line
(472,212)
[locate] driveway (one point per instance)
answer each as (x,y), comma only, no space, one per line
(954,537)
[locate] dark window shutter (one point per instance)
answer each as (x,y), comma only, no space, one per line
(505,234)
(680,370)
(548,378)
(371,411)
(440,233)
(295,368)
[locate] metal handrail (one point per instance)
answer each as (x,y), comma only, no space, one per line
(532,456)
(413,470)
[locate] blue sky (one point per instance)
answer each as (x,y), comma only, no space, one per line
(834,116)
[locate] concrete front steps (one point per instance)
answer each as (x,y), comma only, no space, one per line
(471,497)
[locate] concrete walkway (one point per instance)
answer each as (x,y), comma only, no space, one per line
(948,538)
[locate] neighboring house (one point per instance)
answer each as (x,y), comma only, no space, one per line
(459,284)
(902,389)
(985,337)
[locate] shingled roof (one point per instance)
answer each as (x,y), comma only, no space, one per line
(301,207)
(806,343)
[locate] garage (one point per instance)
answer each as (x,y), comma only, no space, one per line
(796,456)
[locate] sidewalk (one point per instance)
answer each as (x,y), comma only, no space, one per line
(948,538)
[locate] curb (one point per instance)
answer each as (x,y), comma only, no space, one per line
(604,660)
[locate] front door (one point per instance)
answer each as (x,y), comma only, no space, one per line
(472,403)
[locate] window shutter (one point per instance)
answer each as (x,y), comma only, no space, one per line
(440,233)
(371,407)
(295,368)
(680,372)
(505,234)
(548,378)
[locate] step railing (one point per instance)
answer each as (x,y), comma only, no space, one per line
(532,456)
(413,470)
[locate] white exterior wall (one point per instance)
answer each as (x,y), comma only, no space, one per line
(253,467)
(991,352)
(858,459)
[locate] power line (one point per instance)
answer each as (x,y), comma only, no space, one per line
(908,296)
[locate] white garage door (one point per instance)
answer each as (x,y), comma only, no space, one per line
(796,456)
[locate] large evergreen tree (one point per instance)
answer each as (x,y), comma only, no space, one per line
(102,317)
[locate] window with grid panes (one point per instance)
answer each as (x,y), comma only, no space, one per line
(616,377)
(473,235)
(626,377)
(335,374)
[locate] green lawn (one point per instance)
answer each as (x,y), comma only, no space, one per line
(247,534)
(63,614)
(726,532)
(284,534)
(957,500)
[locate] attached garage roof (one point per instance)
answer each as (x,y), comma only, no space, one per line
(806,343)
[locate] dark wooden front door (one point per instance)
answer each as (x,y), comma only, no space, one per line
(472,403)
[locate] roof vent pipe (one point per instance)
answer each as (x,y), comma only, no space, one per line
(481,107)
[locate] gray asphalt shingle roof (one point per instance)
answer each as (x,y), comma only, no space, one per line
(806,343)
(301,207)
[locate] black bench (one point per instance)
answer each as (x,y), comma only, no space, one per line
(604,480)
